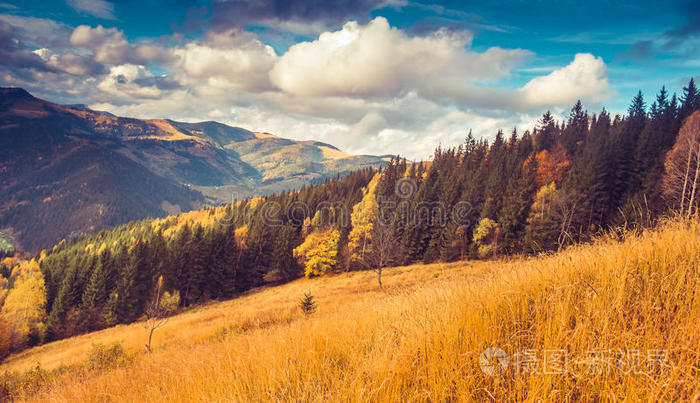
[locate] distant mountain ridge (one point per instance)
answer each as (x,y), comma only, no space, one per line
(68,169)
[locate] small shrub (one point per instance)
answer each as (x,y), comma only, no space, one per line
(307,304)
(34,379)
(14,385)
(19,385)
(107,357)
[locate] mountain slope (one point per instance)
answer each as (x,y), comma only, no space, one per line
(421,337)
(67,170)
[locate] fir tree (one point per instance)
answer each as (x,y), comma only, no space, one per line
(308,304)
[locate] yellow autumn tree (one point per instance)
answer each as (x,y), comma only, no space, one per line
(5,339)
(4,284)
(487,235)
(24,307)
(241,235)
(319,252)
(543,201)
(363,217)
(550,220)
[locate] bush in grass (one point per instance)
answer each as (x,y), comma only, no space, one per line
(107,357)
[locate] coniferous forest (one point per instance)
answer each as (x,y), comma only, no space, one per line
(530,192)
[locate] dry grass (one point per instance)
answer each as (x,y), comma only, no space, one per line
(420,339)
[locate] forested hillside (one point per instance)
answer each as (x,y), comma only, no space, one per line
(67,171)
(531,192)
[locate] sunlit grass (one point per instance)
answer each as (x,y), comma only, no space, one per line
(419,339)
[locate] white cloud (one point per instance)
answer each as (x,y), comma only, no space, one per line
(69,62)
(229,60)
(97,8)
(585,78)
(123,81)
(109,46)
(378,60)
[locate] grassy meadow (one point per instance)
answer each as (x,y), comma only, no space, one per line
(612,320)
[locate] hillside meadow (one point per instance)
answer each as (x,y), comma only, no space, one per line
(611,320)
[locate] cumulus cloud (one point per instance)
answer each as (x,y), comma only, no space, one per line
(97,8)
(379,60)
(71,63)
(228,60)
(135,82)
(109,46)
(585,78)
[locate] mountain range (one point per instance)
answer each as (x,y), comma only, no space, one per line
(68,170)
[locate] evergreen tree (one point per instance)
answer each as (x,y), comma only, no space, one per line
(690,101)
(546,132)
(576,129)
(283,260)
(194,281)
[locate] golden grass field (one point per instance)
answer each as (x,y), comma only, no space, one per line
(610,306)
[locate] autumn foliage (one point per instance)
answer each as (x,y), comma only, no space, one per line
(5,339)
(318,253)
(24,306)
(553,165)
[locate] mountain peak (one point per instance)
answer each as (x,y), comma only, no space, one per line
(11,95)
(14,93)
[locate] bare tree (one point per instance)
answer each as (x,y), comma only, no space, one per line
(680,182)
(158,309)
(462,240)
(565,208)
(382,251)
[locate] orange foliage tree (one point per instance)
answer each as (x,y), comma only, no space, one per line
(552,165)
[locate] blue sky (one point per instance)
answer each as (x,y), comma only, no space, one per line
(370,77)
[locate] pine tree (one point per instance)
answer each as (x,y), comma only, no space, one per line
(690,101)
(576,129)
(283,259)
(307,304)
(194,281)
(93,298)
(637,109)
(546,133)
(179,258)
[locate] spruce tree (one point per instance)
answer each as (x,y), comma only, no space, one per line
(546,132)
(195,271)
(690,101)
